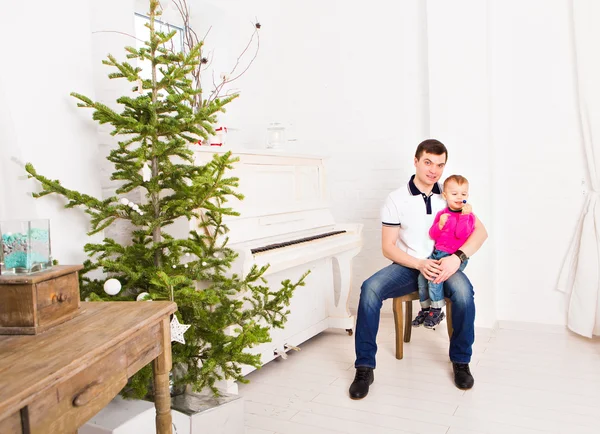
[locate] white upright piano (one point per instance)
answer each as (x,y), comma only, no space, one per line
(285,221)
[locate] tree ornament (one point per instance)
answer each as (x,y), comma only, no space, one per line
(124,201)
(177,330)
(112,286)
(143,296)
(146,172)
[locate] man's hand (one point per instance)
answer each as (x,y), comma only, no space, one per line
(467,209)
(430,268)
(448,266)
(443,220)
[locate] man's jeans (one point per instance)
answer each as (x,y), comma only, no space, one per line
(432,294)
(395,281)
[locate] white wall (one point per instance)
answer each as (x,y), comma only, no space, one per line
(322,72)
(492,80)
(459,101)
(362,83)
(47,57)
(113,29)
(538,156)
(365,86)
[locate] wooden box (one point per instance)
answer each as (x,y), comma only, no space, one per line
(33,303)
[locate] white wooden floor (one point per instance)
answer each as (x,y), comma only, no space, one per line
(526,382)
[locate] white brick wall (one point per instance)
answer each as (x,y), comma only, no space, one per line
(359,183)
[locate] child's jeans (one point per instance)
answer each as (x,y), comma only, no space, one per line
(432,294)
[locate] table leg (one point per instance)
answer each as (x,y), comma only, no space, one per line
(162,396)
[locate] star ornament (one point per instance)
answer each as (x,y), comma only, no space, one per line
(146,173)
(177,330)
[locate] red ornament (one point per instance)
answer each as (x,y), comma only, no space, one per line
(220,132)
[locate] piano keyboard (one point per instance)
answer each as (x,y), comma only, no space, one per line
(292,242)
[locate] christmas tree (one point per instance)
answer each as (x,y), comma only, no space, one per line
(159,120)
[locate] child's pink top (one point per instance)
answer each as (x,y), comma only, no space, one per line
(457,229)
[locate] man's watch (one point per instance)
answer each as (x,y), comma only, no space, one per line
(461,255)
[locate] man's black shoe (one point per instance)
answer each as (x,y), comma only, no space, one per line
(462,376)
(362,380)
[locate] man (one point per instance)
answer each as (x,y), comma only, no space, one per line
(407,216)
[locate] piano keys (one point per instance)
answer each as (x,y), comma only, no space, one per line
(293,242)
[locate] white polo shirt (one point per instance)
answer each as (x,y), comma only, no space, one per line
(414,213)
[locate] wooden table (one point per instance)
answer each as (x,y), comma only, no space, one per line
(56,381)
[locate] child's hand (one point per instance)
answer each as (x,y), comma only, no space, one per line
(467,209)
(443,220)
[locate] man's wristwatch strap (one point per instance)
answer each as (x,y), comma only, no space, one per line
(461,255)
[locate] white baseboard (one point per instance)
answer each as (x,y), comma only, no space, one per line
(532,327)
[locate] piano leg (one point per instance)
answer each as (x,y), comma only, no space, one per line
(339,315)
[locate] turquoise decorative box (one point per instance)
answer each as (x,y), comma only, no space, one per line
(25,246)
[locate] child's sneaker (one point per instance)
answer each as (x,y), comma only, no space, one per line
(420,318)
(434,318)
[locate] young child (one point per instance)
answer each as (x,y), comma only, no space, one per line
(451,228)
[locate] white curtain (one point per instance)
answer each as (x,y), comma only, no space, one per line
(580,274)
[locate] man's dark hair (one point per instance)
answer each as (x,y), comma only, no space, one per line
(431,146)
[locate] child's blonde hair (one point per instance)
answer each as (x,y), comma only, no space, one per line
(460,180)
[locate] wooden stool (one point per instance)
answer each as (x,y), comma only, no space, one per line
(405,320)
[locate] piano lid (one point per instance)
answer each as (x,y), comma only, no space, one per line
(284,193)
